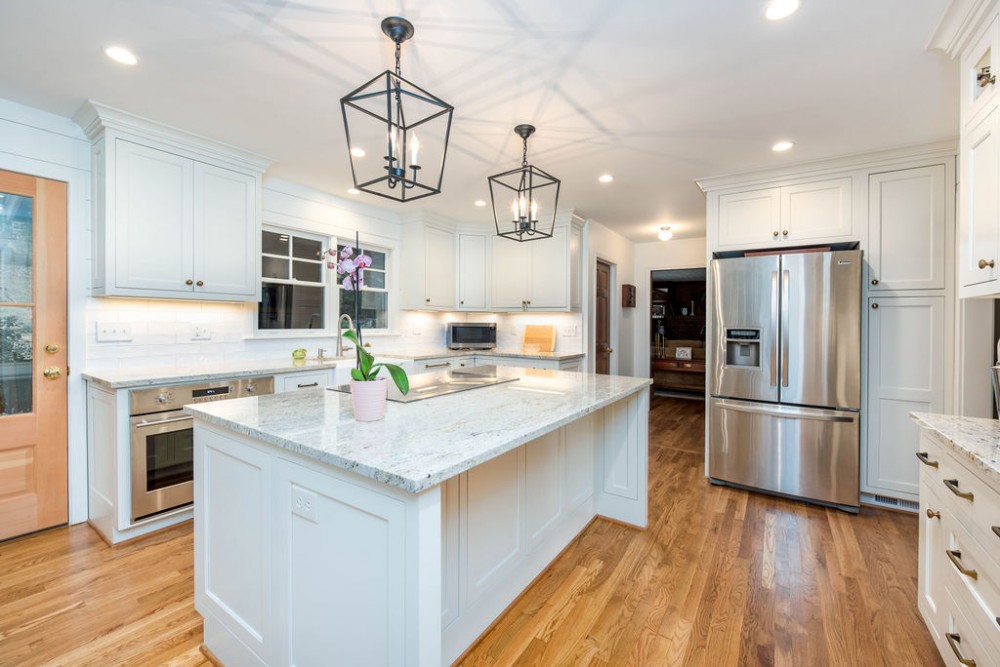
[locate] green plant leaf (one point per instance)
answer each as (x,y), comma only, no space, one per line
(366,360)
(350,335)
(356,374)
(399,377)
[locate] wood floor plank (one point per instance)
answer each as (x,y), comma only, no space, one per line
(720,577)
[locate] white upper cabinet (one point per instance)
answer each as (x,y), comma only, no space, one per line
(429,267)
(979,210)
(472,272)
(542,275)
(175,215)
(980,54)
(803,213)
(906,229)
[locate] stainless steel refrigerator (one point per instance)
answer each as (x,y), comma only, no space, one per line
(785,382)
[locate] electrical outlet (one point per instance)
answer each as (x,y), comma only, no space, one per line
(304,503)
(200,332)
(569,331)
(113,332)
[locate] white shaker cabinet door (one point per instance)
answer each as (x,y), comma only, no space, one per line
(549,271)
(439,268)
(153,220)
(979,231)
(471,272)
(510,274)
(906,225)
(816,211)
(906,354)
(749,218)
(226,233)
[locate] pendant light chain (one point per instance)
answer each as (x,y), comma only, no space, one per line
(524,155)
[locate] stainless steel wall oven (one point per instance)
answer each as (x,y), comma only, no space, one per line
(162,440)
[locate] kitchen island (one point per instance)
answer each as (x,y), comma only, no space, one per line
(320,540)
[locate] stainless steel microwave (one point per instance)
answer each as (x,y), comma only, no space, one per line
(472,335)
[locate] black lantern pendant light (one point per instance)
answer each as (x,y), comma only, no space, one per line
(524,199)
(382,119)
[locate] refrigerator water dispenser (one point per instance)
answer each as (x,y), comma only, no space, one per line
(743,347)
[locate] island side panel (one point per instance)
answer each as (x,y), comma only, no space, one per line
(623,461)
(351,567)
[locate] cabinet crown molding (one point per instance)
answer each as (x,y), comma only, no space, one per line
(96,118)
(830,166)
(958,25)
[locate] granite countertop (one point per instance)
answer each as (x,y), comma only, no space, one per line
(421,444)
(145,377)
(972,438)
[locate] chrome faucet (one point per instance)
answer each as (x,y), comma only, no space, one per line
(320,354)
(340,332)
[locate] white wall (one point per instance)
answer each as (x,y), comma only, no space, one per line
(613,248)
(41,144)
(658,255)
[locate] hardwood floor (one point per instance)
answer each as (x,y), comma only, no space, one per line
(721,577)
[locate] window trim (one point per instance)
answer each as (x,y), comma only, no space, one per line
(329,305)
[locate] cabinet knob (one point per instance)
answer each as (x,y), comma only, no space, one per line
(874,306)
(931,514)
(200,283)
(983,264)
(775,233)
(461,303)
(427,300)
(874,281)
(784,232)
(189,282)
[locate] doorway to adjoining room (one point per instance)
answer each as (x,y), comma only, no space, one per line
(677,332)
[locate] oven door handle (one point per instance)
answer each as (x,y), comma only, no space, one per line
(164,421)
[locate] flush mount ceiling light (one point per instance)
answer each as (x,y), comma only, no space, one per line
(605,178)
(520,194)
(121,55)
(782,146)
(665,234)
(779,9)
(387,111)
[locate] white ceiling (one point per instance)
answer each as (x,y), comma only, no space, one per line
(657,92)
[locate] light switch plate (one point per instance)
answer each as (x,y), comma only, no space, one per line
(113,332)
(568,331)
(200,332)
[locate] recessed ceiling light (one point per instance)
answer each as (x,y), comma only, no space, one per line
(121,55)
(782,146)
(779,9)
(480,202)
(353,191)
(665,234)
(606,178)
(358,152)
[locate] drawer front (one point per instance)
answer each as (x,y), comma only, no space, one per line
(961,639)
(305,381)
(973,577)
(436,365)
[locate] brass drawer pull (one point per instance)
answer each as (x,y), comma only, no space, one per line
(307,384)
(952,485)
(443,364)
(983,264)
(955,556)
(954,639)
(926,459)
(931,514)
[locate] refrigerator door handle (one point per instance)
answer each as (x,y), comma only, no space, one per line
(785,412)
(784,328)
(774,328)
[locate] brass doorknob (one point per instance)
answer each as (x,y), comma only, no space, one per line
(983,264)
(52,373)
(51,349)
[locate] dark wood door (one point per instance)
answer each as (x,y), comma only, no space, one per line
(602,310)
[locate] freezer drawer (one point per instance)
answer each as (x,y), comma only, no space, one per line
(803,452)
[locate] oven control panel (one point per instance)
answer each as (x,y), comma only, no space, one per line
(162,399)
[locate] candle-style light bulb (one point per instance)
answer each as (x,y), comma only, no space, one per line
(534,209)
(392,142)
(513,208)
(414,151)
(523,208)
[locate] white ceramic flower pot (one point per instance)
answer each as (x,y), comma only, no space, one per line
(368,399)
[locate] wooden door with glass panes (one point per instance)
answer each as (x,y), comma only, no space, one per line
(33,473)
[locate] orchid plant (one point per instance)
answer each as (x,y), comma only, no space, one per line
(351,268)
